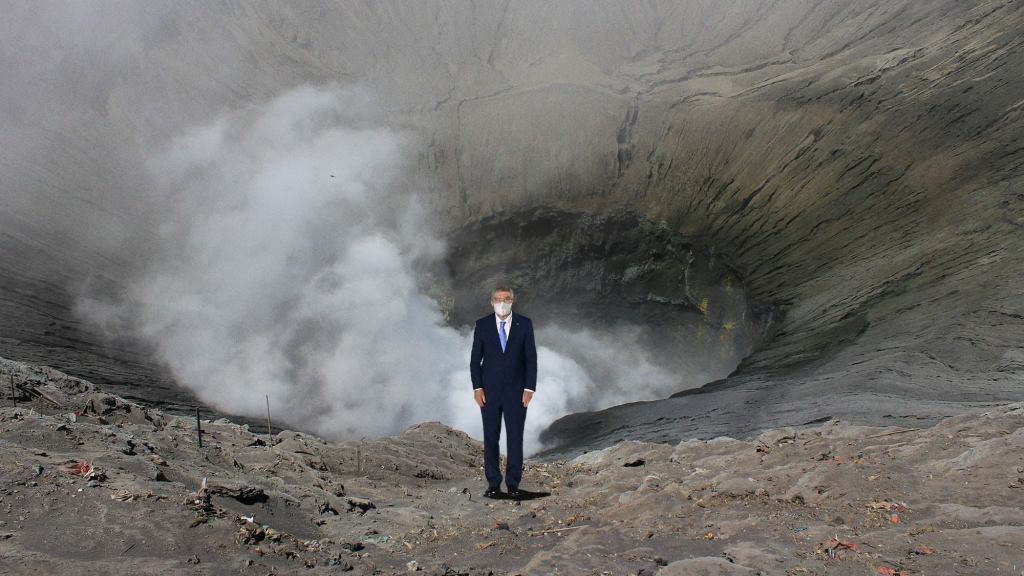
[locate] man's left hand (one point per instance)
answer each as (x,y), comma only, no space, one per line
(527,396)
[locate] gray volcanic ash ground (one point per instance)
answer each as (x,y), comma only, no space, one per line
(834,498)
(120,489)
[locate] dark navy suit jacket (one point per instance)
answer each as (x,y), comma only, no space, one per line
(494,370)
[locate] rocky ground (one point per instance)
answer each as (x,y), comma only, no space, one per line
(91,483)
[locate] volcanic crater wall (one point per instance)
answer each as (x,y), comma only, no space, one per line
(853,169)
(598,272)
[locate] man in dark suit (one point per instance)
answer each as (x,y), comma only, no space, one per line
(503,366)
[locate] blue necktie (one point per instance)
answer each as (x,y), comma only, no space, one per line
(501,334)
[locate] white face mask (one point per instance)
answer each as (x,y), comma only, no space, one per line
(502,308)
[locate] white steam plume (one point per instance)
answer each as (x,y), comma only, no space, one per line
(285,268)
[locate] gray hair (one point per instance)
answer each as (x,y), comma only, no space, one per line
(503,288)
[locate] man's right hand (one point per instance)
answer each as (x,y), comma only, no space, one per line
(478,395)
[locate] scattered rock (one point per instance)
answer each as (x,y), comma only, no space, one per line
(243,494)
(362,504)
(156,474)
(352,546)
(324,507)
(432,473)
(738,487)
(923,550)
(705,566)
(778,436)
(339,562)
(446,570)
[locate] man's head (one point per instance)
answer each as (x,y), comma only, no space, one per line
(502,298)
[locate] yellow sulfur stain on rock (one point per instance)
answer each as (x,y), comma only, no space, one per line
(726,333)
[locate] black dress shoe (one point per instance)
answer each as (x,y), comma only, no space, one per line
(514,493)
(493,493)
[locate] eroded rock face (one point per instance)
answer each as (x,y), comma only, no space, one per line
(855,166)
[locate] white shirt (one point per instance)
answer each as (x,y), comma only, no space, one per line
(508,327)
(507,321)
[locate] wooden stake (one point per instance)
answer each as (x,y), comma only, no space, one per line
(33,390)
(269,427)
(199,428)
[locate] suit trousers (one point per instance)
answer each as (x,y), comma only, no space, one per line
(507,404)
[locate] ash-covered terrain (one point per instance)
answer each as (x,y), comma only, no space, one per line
(94,484)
